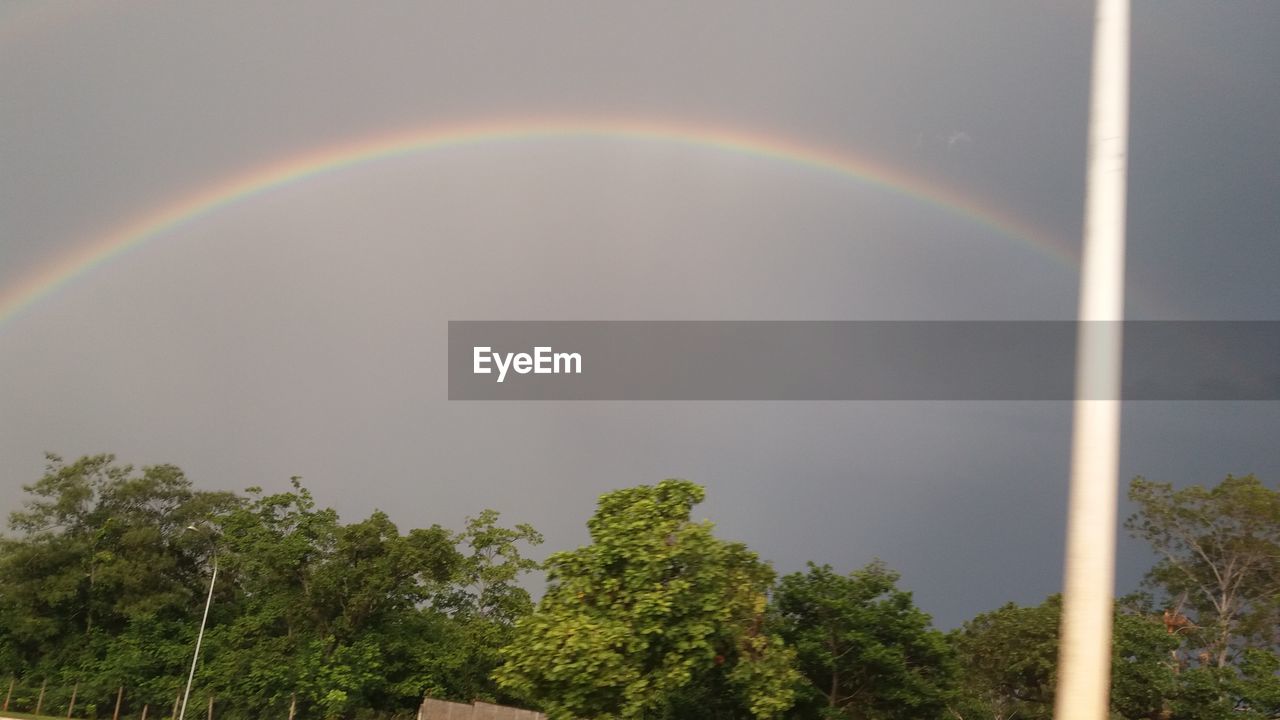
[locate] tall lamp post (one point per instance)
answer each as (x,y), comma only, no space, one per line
(1084,659)
(199,637)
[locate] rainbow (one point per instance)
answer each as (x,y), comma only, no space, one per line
(95,253)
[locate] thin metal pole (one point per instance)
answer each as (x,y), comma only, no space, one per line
(196,658)
(1084,656)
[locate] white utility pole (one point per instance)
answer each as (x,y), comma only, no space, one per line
(1084,659)
(213,577)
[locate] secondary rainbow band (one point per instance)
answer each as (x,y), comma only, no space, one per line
(95,253)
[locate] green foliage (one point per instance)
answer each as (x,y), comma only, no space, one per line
(646,619)
(102,585)
(483,602)
(864,647)
(490,567)
(1009,659)
(1249,691)
(1257,688)
(1220,561)
(1143,676)
(336,613)
(101,546)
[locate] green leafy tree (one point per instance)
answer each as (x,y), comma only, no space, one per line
(487,580)
(1257,689)
(483,601)
(103,584)
(99,581)
(1247,691)
(328,611)
(656,618)
(1008,660)
(1219,552)
(866,650)
(99,544)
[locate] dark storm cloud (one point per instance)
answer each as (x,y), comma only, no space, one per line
(303,332)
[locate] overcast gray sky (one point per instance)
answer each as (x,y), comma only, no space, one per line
(302,331)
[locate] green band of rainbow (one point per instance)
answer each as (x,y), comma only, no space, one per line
(96,252)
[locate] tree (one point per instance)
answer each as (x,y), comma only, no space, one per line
(327,610)
(1220,559)
(865,649)
(103,586)
(100,584)
(100,544)
(1008,660)
(482,601)
(649,618)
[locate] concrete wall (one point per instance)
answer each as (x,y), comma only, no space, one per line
(441,710)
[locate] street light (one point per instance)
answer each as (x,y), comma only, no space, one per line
(1088,593)
(199,637)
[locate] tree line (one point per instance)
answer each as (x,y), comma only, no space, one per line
(104,574)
